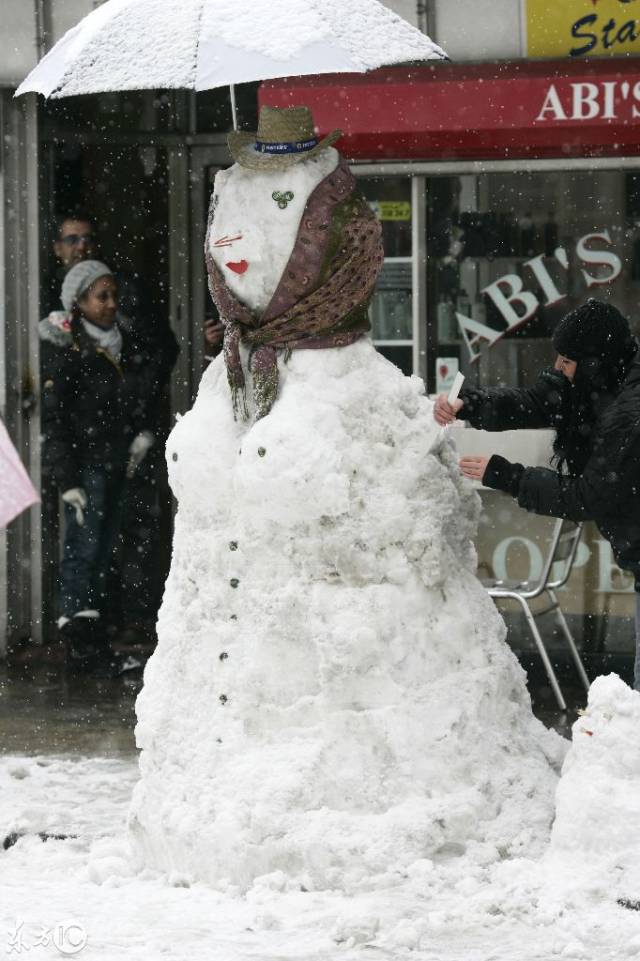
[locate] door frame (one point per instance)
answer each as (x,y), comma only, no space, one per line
(189,166)
(21,546)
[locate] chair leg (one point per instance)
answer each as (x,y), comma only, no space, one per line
(570,641)
(551,674)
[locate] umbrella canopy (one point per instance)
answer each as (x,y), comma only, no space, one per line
(201,44)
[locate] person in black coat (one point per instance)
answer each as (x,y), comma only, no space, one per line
(591,398)
(135,585)
(98,388)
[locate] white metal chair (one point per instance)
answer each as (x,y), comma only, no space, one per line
(562,551)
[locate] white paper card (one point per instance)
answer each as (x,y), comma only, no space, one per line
(455,389)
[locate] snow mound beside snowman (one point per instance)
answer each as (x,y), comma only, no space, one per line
(597,821)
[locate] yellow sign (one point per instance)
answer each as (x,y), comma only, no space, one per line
(392,209)
(583,28)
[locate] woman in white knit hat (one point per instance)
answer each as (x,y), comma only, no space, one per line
(97,385)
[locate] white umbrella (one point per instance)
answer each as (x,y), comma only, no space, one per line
(201,44)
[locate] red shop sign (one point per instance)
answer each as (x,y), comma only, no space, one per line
(448,111)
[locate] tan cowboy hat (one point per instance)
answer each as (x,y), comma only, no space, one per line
(285,136)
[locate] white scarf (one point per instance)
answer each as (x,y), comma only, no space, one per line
(110,339)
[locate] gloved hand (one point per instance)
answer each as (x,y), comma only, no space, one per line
(75,497)
(138,450)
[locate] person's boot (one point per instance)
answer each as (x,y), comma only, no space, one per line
(89,650)
(81,635)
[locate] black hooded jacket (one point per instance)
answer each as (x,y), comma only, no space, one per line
(92,406)
(607,491)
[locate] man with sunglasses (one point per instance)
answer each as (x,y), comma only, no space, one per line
(76,241)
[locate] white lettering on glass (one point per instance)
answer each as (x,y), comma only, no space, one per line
(499,560)
(598,258)
(508,291)
(611,580)
(516,294)
(480,332)
(544,278)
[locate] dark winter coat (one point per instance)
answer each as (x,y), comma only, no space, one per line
(607,490)
(150,330)
(92,406)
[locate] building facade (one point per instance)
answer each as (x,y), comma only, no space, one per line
(507,182)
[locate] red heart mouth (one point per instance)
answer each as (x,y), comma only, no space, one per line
(237,266)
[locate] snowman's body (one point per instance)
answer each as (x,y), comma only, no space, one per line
(331,694)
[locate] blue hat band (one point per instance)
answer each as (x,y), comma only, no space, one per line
(298,146)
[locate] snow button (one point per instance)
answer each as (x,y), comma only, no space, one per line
(233,545)
(234,581)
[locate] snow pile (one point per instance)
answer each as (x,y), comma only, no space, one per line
(597,801)
(331,696)
(86,792)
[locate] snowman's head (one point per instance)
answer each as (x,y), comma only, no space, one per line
(285,136)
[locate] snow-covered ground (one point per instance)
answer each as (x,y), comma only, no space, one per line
(562,905)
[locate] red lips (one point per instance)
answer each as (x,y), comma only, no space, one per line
(237,266)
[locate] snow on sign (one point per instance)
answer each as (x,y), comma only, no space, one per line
(580,28)
(599,267)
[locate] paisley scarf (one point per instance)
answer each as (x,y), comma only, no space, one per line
(321,299)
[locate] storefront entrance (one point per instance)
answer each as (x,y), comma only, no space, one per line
(508,195)
(147,194)
(453,229)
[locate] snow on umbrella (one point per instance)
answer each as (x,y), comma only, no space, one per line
(201,44)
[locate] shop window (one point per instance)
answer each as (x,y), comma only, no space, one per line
(511,253)
(116,111)
(213,109)
(391,306)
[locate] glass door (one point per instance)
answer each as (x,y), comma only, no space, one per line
(391,312)
(204,163)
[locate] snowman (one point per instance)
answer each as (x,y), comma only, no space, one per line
(331,696)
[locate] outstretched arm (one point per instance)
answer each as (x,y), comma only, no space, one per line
(544,491)
(510,408)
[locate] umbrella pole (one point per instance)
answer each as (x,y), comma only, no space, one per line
(234,109)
